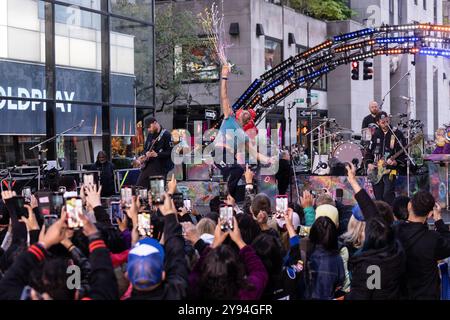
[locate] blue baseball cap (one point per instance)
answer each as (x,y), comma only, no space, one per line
(356,211)
(145,264)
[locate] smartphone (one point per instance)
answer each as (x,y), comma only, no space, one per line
(157,189)
(226,218)
(56,204)
(74,208)
(19,203)
(223,190)
(178,200)
(88,179)
(281,205)
(26,193)
(143,196)
(116,211)
(126,197)
(144,223)
(187,204)
(49,220)
(44,204)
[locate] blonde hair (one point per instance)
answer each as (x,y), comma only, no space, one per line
(206,225)
(355,234)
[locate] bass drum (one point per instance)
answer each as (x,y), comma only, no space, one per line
(348,152)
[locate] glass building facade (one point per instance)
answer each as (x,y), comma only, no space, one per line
(68,62)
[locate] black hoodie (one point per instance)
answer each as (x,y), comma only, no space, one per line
(391,261)
(423,248)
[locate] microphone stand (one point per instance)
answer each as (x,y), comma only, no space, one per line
(384,98)
(40,151)
(410,160)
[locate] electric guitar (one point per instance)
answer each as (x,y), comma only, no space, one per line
(143,160)
(376,174)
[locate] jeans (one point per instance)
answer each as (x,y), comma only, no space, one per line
(385,189)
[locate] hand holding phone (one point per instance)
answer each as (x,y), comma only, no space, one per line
(157,189)
(281,205)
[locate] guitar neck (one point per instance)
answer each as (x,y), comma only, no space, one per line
(399,153)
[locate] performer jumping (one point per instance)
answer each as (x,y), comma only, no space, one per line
(232,172)
(383,145)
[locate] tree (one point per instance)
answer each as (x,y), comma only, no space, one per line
(175,40)
(322,9)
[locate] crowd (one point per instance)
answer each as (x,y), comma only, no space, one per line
(317,249)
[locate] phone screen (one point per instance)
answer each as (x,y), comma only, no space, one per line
(144,223)
(143,196)
(281,204)
(126,197)
(226,218)
(57,202)
(178,200)
(74,208)
(26,193)
(116,211)
(187,204)
(157,190)
(223,191)
(88,179)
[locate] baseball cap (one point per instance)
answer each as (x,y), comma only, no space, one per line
(327,210)
(145,264)
(150,120)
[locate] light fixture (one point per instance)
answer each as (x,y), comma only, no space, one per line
(277,82)
(247,94)
(291,39)
(234,29)
(259,30)
(286,64)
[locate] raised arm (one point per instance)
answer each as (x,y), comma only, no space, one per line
(225,102)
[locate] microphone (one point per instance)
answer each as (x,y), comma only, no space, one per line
(81,124)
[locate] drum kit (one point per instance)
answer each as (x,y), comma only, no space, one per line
(333,147)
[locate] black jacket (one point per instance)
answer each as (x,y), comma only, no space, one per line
(106,177)
(163,147)
(367,121)
(423,249)
(174,287)
(380,146)
(102,280)
(391,261)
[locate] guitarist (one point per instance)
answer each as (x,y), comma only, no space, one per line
(382,146)
(156,160)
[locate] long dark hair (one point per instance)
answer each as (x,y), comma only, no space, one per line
(270,251)
(223,275)
(379,234)
(324,232)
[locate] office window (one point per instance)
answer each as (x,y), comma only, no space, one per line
(272,53)
(136,9)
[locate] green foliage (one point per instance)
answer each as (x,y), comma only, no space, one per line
(323,9)
(175,38)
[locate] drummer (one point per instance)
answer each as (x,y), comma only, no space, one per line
(370,119)
(442,143)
